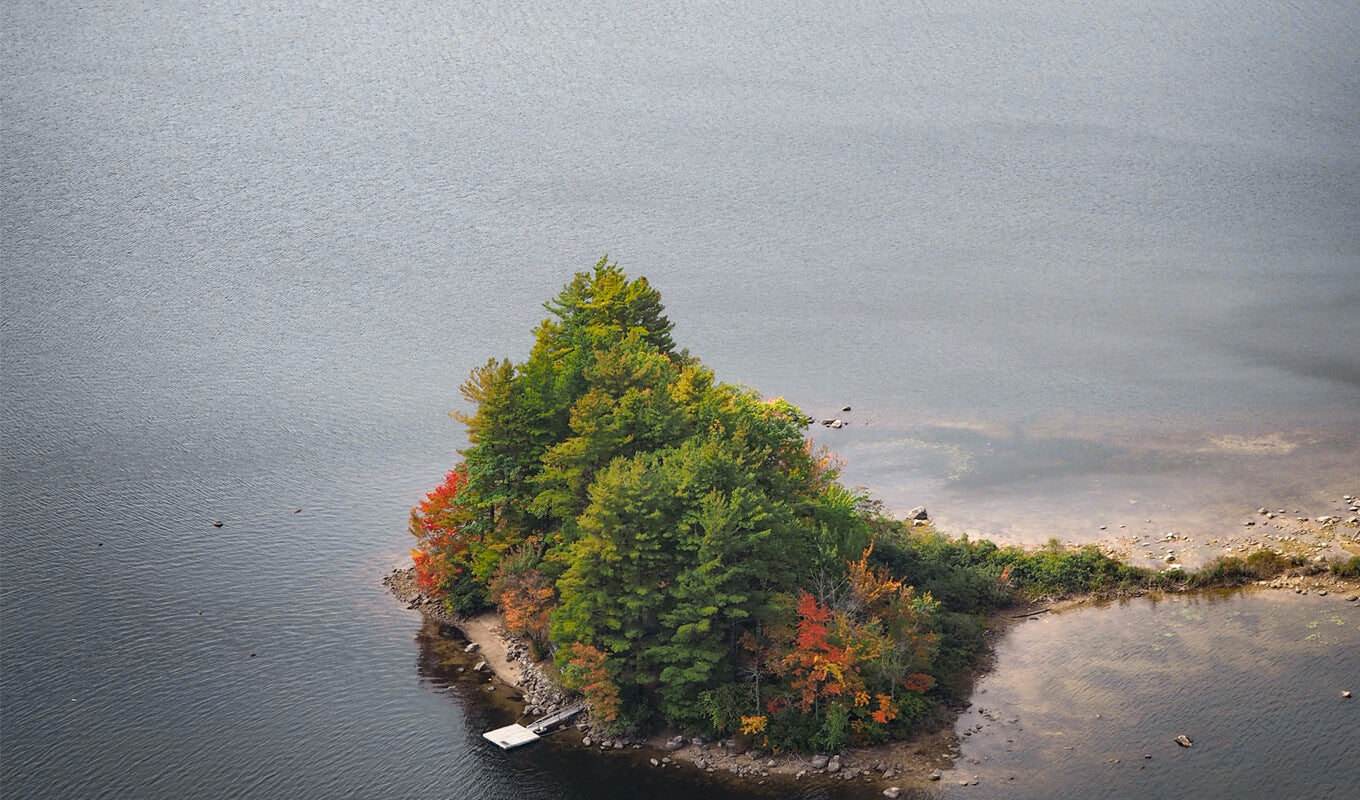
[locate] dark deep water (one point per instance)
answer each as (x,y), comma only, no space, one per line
(1059,259)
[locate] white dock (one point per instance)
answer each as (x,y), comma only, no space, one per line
(512,736)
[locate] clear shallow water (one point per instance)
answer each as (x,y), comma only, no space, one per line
(1255,680)
(250,251)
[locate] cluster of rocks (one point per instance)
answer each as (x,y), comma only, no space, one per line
(731,756)
(402,583)
(831,422)
(1300,584)
(542,695)
(1350,504)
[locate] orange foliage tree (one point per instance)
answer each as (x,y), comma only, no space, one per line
(588,672)
(848,662)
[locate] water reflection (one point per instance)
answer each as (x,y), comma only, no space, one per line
(1088,702)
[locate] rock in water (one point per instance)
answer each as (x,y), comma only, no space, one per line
(891,792)
(1183,740)
(936,775)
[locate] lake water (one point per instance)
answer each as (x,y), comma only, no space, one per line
(1057,259)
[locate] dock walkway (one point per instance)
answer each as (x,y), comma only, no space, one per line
(512,736)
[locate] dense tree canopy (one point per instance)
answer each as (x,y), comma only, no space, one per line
(677,543)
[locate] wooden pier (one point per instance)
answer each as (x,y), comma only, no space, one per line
(512,736)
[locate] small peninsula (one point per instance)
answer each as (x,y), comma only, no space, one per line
(673,549)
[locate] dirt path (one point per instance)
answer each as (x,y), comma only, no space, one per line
(482,630)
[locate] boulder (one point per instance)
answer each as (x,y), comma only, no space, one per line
(891,791)
(834,765)
(675,743)
(936,775)
(918,513)
(472,647)
(819,762)
(1183,740)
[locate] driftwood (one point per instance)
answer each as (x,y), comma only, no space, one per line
(1031,613)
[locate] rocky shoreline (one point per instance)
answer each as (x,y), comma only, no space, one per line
(925,758)
(930,756)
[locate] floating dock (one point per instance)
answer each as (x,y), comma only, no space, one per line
(512,736)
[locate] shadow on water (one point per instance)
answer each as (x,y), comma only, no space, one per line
(558,767)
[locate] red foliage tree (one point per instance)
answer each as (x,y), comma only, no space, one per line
(440,553)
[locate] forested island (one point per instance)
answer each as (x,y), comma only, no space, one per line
(688,560)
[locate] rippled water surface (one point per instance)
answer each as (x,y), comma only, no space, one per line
(1058,258)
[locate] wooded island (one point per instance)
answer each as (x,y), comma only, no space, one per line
(689,559)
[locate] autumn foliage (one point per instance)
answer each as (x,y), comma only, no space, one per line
(678,543)
(587,671)
(441,555)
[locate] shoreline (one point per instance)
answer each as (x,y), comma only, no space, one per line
(930,756)
(907,763)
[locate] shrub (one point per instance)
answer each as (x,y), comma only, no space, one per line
(1267,564)
(1347,569)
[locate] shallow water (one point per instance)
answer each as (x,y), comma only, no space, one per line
(1080,699)
(250,250)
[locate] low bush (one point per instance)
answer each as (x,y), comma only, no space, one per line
(1347,569)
